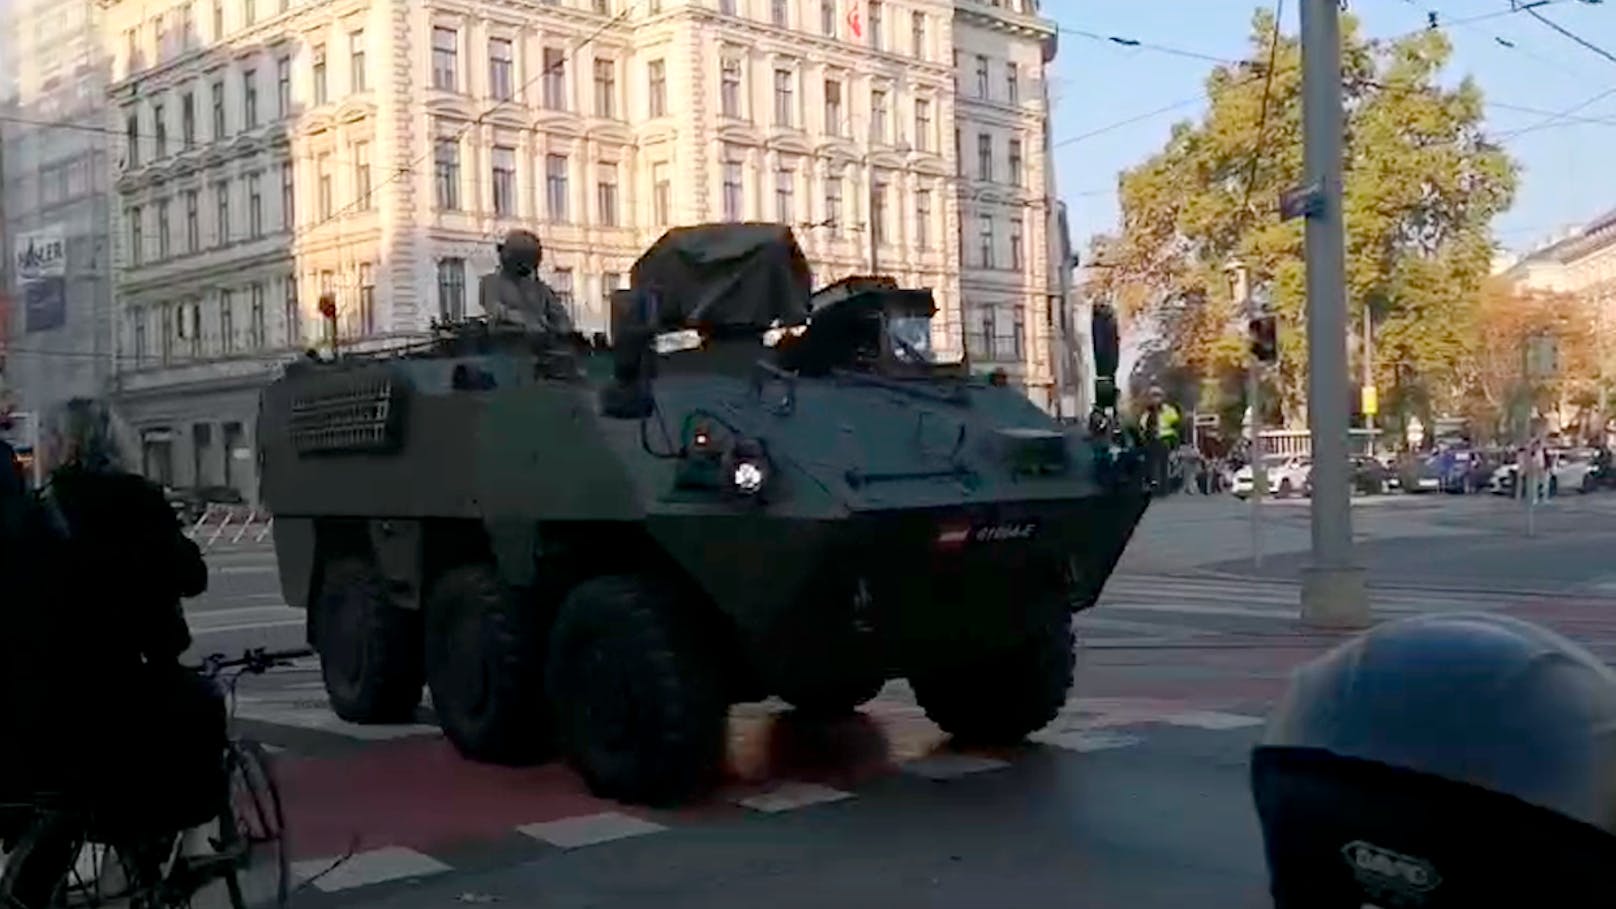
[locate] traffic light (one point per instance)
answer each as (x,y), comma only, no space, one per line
(1265,339)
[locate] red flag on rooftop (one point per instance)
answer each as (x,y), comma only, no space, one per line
(855,23)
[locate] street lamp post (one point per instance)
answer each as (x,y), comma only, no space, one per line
(1333,593)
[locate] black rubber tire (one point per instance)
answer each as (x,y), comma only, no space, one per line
(637,694)
(370,650)
(38,867)
(1285,488)
(265,829)
(485,668)
(1004,698)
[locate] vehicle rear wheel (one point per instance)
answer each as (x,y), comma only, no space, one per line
(1587,483)
(370,650)
(637,693)
(1285,488)
(484,666)
(1003,699)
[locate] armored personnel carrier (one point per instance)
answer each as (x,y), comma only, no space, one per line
(597,549)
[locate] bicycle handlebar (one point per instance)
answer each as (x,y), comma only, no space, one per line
(255,660)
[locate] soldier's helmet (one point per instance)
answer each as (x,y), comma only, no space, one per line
(1444,760)
(521,251)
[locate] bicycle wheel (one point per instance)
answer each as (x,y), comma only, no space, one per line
(40,870)
(252,831)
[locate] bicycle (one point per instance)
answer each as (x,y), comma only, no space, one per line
(64,857)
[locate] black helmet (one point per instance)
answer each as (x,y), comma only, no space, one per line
(1444,760)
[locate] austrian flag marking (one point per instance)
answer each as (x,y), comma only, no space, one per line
(953,537)
(855,23)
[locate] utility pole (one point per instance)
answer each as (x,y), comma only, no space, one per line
(1333,592)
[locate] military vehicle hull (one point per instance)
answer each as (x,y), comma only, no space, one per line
(490,519)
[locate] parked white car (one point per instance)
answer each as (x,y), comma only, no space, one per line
(1569,469)
(1287,476)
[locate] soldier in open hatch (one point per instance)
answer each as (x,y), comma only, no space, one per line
(516,294)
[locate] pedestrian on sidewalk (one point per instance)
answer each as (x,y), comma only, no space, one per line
(1157,427)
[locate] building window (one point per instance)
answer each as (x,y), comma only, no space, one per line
(606,193)
(605,88)
(562,285)
(1016,261)
(727,7)
(661,195)
(362,175)
(446,170)
(833,202)
(872,16)
(985,251)
(325,199)
(221,212)
(291,316)
(193,227)
(504,161)
(367,299)
(833,107)
(187,26)
(218,19)
(656,77)
(320,93)
(1012,82)
(609,282)
(160,130)
(166,347)
(555,78)
(445,58)
(1016,175)
(500,84)
(729,92)
(137,236)
(785,194)
(356,60)
(288,197)
(827,17)
(923,219)
(249,98)
(878,209)
(249,12)
(777,12)
(255,207)
(139,317)
(283,88)
(132,140)
(984,157)
(257,335)
(1018,334)
(556,187)
(785,98)
(227,321)
(732,188)
(187,120)
(917,35)
(923,124)
(603,7)
(218,109)
(981,76)
(879,115)
(451,289)
(987,337)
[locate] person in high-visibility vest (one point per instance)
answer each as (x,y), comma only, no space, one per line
(1158,429)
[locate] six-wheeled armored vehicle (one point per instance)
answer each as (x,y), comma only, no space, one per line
(599,548)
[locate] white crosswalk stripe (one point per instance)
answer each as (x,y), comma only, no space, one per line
(1268,599)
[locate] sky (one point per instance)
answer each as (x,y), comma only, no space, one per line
(1568,170)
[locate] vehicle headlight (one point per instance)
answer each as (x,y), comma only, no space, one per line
(747,468)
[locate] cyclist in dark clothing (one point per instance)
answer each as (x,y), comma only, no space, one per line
(110,713)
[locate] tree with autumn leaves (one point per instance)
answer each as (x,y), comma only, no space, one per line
(1422,186)
(1502,389)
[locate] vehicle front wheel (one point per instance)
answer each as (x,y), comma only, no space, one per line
(370,650)
(484,666)
(1285,488)
(1004,698)
(637,693)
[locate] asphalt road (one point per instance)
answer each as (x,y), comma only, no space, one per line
(1135,797)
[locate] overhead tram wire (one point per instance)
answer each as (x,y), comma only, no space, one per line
(1262,116)
(1123,41)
